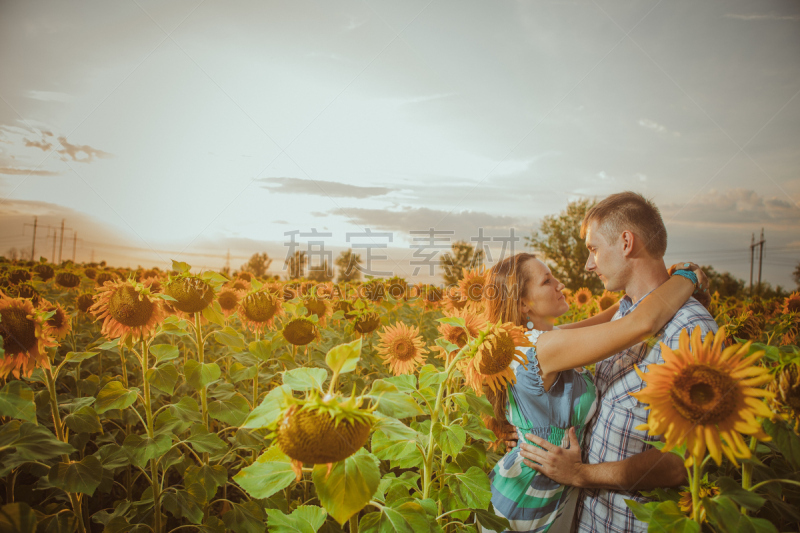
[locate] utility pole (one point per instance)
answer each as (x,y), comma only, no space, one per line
(74,244)
(228,261)
(61,242)
(753,245)
(33,244)
(54,247)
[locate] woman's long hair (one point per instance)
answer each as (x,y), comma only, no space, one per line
(506,283)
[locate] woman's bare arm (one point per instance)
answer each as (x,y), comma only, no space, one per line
(599,318)
(562,349)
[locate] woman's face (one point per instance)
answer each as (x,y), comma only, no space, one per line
(543,300)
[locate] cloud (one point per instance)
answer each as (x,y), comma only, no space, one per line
(27,172)
(761,16)
(42,145)
(321,188)
(73,150)
(48,96)
(464,224)
(735,207)
(655,126)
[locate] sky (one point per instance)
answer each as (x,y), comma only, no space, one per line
(194,129)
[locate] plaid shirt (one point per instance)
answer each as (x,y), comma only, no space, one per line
(612,435)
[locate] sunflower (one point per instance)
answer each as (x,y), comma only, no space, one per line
(431,294)
(26,337)
(320,430)
(786,388)
(258,309)
(191,293)
(246,276)
(705,396)
(367,323)
(707,490)
(68,280)
(396,287)
(59,323)
(346,307)
(128,310)
(316,306)
(582,296)
(790,337)
(496,349)
(25,290)
(19,275)
(300,331)
(606,300)
(84,302)
(102,277)
(374,291)
(457,335)
(44,272)
(453,300)
(240,285)
(747,326)
(228,299)
(472,284)
(402,347)
(792,303)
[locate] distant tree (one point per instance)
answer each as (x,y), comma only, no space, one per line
(463,256)
(559,239)
(257,265)
(296,265)
(323,272)
(348,264)
(725,283)
(12,254)
(796,275)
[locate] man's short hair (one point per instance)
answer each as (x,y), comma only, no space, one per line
(633,212)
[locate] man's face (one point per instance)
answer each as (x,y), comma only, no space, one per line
(606,259)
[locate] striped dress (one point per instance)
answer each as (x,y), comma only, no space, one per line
(531,501)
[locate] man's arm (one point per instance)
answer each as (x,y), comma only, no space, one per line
(644,471)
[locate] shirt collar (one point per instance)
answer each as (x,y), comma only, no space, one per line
(626,304)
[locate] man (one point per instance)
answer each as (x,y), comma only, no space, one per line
(627,240)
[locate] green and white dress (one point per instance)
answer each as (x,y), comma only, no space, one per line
(530,501)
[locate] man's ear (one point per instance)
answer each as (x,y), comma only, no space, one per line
(627,239)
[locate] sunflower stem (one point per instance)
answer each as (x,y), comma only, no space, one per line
(73,497)
(255,379)
(697,467)
(429,455)
(148,410)
(747,470)
(354,523)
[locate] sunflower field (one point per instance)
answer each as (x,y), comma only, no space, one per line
(150,401)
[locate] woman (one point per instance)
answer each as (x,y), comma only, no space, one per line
(554,392)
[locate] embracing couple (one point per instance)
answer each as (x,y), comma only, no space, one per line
(575,454)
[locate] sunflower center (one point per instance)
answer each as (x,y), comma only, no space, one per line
(19,332)
(227,300)
(130,308)
(192,294)
(57,320)
(403,349)
(299,332)
(703,394)
(259,307)
(475,291)
(499,356)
